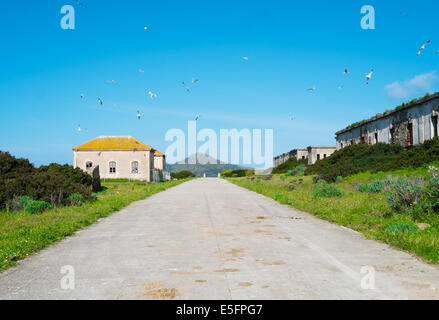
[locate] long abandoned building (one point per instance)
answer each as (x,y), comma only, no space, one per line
(312,153)
(408,125)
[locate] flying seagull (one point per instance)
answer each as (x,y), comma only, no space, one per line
(81,3)
(368,76)
(138,114)
(82,96)
(145,28)
(185,86)
(112,81)
(291,118)
(245,58)
(116,105)
(340,87)
(194,80)
(346,71)
(101,101)
(152,95)
(79,128)
(311,89)
(198,116)
(141,71)
(423,47)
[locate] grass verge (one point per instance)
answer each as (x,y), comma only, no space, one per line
(367,213)
(22,234)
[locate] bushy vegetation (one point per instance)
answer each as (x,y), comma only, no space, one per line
(375,158)
(237,173)
(74,174)
(354,159)
(182,175)
(323,189)
(52,184)
(290,164)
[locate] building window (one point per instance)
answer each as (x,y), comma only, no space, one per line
(376,137)
(112,167)
(88,164)
(324,156)
(318,157)
(303,157)
(410,134)
(341,144)
(134,167)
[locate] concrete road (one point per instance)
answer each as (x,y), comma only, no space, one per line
(210,239)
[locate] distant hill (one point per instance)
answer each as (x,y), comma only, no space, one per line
(211,168)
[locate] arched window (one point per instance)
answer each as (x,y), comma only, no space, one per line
(88,164)
(112,166)
(134,167)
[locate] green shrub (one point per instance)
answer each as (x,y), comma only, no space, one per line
(53,184)
(326,190)
(76,175)
(237,173)
(76,199)
(375,187)
(402,227)
(431,196)
(295,171)
(182,175)
(35,206)
(404,193)
(354,159)
(290,164)
(375,158)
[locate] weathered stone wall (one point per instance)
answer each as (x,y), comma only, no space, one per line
(422,117)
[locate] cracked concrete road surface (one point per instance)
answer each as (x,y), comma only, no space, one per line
(210,239)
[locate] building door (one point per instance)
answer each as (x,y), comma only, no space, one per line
(410,134)
(434,120)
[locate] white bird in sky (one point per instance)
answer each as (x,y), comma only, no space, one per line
(311,89)
(101,101)
(291,118)
(185,86)
(245,58)
(145,28)
(141,71)
(112,81)
(138,114)
(198,116)
(346,71)
(82,96)
(79,128)
(423,47)
(152,95)
(368,76)
(194,80)
(340,87)
(81,3)
(116,105)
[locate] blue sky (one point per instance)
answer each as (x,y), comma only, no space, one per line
(291,46)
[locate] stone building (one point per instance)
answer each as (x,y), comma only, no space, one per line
(119,157)
(297,153)
(159,161)
(316,153)
(408,125)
